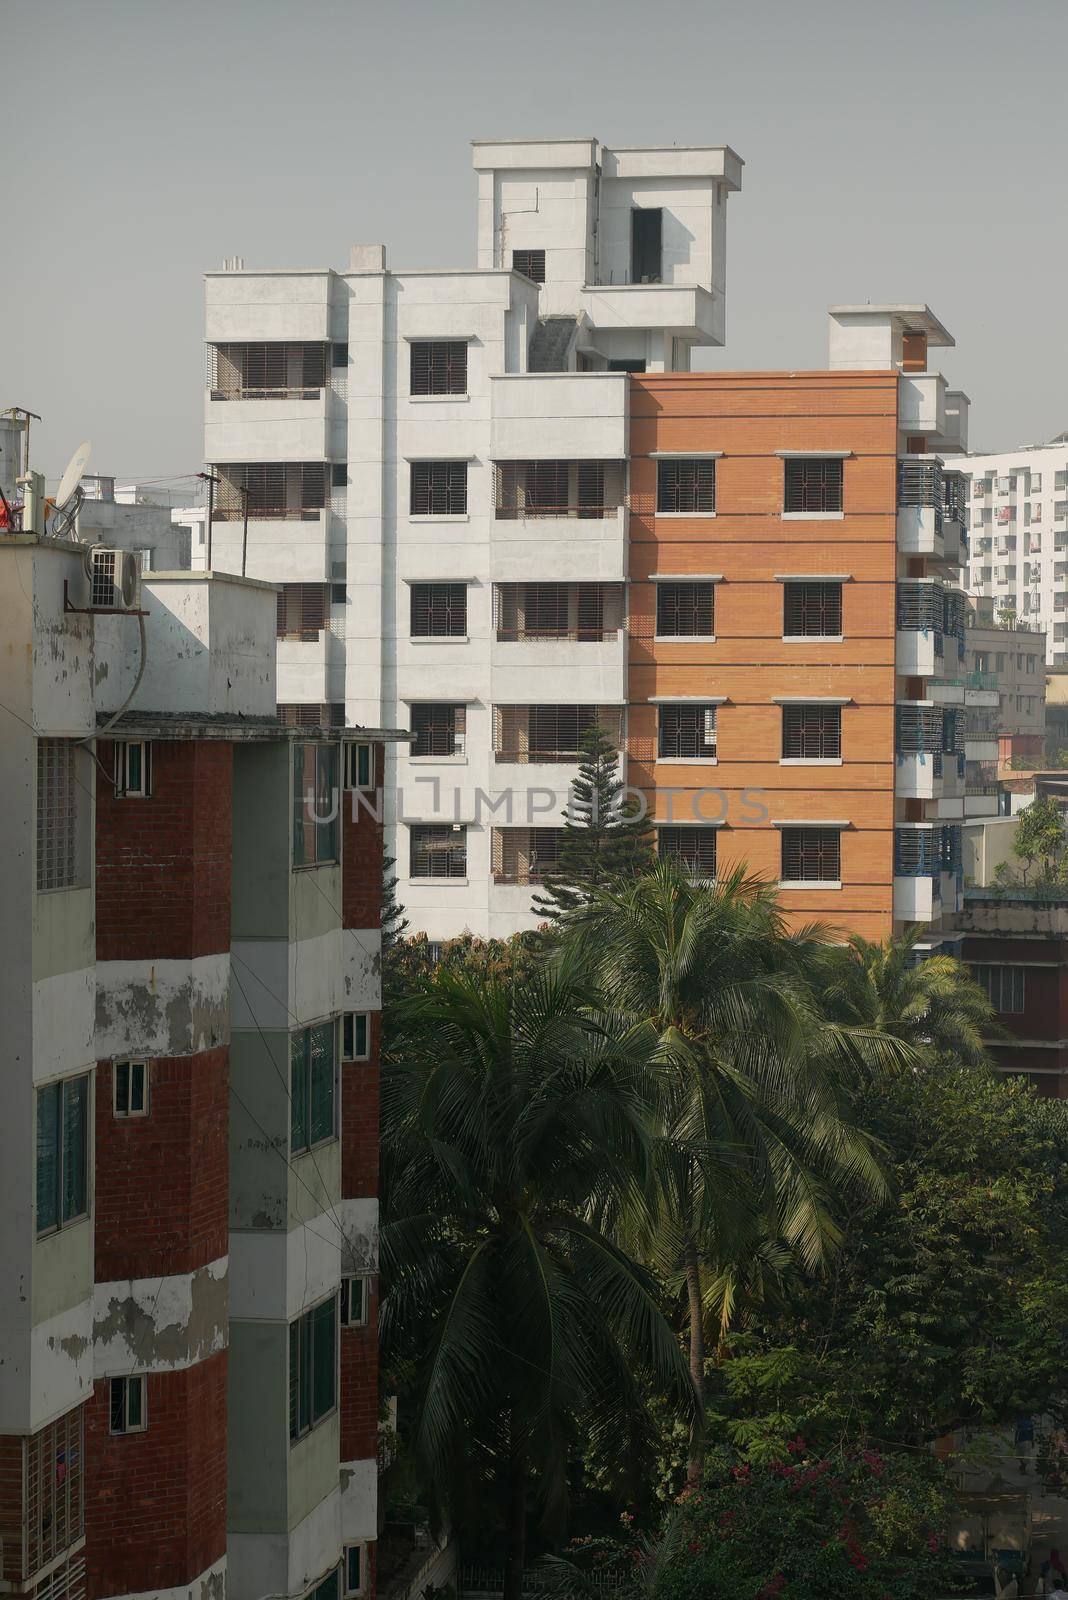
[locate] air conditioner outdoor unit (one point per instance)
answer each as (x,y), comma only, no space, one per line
(113,576)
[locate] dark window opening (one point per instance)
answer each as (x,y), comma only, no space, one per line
(685,610)
(626,364)
(811,855)
(813,484)
(438,489)
(646,255)
(312,1367)
(693,849)
(439,366)
(438,610)
(531,263)
(301,611)
(811,733)
(313,1087)
(686,486)
(686,732)
(812,610)
(439,730)
(437,850)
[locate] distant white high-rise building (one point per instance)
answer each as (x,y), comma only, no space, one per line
(1019,537)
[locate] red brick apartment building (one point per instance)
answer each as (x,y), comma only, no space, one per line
(190,990)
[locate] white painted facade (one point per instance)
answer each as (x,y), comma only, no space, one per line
(1019,540)
(575,200)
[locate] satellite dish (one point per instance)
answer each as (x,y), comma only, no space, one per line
(73,475)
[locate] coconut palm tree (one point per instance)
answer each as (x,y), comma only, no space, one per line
(931,1003)
(515,1128)
(757,1138)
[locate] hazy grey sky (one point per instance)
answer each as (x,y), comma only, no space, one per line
(908,150)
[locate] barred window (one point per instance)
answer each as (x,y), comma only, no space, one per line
(438,610)
(311,714)
(54,1518)
(558,488)
(811,855)
(60,863)
(812,610)
(439,366)
(686,732)
(1006,987)
(312,1367)
(313,1087)
(813,484)
(528,733)
(525,855)
(811,733)
(62,1162)
(531,263)
(579,611)
(437,850)
(316,803)
(685,610)
(439,730)
(302,610)
(438,489)
(274,490)
(686,485)
(693,849)
(267,371)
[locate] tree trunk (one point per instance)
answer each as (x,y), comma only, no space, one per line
(516,1527)
(697,1361)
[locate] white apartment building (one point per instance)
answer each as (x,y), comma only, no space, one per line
(432,464)
(1019,541)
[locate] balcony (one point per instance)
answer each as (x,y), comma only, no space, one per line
(917,874)
(921,619)
(918,749)
(919,500)
(42,1500)
(982,800)
(572,509)
(686,309)
(550,636)
(921,403)
(241,420)
(581,415)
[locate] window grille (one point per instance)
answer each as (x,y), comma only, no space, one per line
(274,371)
(535,489)
(920,483)
(353,1570)
(693,849)
(686,485)
(439,366)
(811,733)
(302,610)
(531,263)
(525,855)
(437,850)
(813,485)
(438,489)
(439,730)
(65,1582)
(919,729)
(686,732)
(916,853)
(438,610)
(53,1507)
(921,607)
(1006,987)
(955,493)
(315,774)
(583,612)
(277,491)
(313,1086)
(62,1180)
(812,610)
(312,1367)
(311,714)
(686,610)
(531,734)
(811,855)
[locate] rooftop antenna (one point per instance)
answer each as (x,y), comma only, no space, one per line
(69,495)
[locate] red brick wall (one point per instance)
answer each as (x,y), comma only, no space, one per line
(359,1121)
(163,864)
(1045,1014)
(362,854)
(162,1181)
(155,1505)
(359,1387)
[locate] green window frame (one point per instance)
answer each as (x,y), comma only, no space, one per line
(315,772)
(313,1378)
(62,1177)
(313,1087)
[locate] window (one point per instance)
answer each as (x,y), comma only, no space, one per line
(811,733)
(128,1405)
(301,610)
(686,486)
(267,371)
(1006,987)
(359,766)
(312,1367)
(694,849)
(626,364)
(130,1086)
(311,714)
(438,489)
(355,1035)
(585,612)
(313,1087)
(686,610)
(646,254)
(60,855)
(813,484)
(144,558)
(686,732)
(549,734)
(439,610)
(327,1588)
(274,490)
(353,1564)
(355,1301)
(531,263)
(62,1153)
(812,610)
(525,855)
(439,366)
(339,475)
(1036,483)
(339,355)
(811,855)
(438,850)
(587,490)
(315,796)
(133,769)
(914,350)
(439,730)
(55,1493)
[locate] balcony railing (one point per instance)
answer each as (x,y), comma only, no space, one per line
(543,735)
(268,371)
(917,853)
(546,490)
(919,483)
(274,491)
(540,612)
(955,488)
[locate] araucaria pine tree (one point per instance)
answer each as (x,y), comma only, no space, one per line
(606,839)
